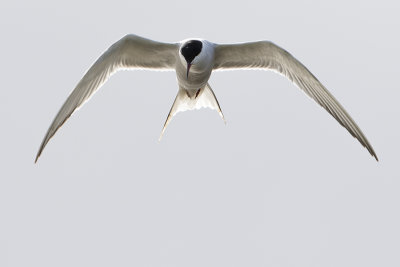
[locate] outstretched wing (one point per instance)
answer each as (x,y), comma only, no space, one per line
(130,52)
(266,55)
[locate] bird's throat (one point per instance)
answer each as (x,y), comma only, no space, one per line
(187,70)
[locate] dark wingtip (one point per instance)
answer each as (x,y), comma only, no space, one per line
(371,151)
(37,157)
(44,143)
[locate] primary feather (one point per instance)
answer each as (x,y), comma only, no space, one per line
(266,55)
(128,53)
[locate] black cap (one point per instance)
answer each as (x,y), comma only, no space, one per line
(191,49)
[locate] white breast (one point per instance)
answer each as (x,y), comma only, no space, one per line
(200,70)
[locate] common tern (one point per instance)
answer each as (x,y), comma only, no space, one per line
(193,61)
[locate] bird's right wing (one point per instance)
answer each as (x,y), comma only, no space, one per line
(268,56)
(130,52)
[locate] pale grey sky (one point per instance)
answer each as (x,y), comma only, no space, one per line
(282,184)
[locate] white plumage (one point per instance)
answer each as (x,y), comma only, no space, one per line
(194,60)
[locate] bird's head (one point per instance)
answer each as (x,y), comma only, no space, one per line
(190,53)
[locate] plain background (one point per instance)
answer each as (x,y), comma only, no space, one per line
(282,184)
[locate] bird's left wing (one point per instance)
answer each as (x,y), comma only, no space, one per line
(266,55)
(130,52)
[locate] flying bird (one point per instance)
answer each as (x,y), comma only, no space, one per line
(194,60)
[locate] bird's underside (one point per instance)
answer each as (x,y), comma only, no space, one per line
(186,100)
(194,60)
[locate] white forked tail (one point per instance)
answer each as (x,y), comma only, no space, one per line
(205,99)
